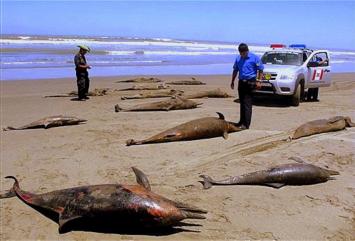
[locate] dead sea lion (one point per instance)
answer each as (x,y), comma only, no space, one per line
(207,127)
(145,87)
(321,126)
(155,94)
(217,93)
(131,205)
(141,80)
(278,176)
(175,103)
(48,122)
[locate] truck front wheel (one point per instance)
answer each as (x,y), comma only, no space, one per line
(297,96)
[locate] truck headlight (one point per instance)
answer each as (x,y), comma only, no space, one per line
(286,77)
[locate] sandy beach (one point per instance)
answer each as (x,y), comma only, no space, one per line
(95,153)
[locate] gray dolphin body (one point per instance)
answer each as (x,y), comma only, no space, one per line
(175,103)
(154,94)
(95,92)
(134,205)
(278,176)
(48,122)
(207,127)
(141,80)
(216,93)
(186,82)
(145,87)
(321,126)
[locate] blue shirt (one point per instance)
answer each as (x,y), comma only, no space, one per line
(247,67)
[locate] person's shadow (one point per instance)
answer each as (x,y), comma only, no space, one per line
(269,101)
(77,99)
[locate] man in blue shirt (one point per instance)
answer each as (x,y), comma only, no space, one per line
(250,69)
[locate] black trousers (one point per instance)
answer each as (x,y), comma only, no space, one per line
(83,82)
(245,92)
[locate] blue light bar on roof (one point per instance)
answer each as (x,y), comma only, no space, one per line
(297,46)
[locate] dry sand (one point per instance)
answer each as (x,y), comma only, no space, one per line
(95,153)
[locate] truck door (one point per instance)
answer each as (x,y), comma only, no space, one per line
(318,68)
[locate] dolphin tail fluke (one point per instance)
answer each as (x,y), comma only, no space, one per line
(118,108)
(9,128)
(207,181)
(16,185)
(349,123)
(8,194)
(131,142)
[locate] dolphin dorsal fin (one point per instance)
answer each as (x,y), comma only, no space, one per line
(220,115)
(141,178)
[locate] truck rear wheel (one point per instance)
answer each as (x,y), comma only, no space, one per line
(297,96)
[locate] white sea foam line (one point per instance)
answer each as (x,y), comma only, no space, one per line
(341,61)
(131,43)
(159,42)
(168,53)
(341,53)
(92,62)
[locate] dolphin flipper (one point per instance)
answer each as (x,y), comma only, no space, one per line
(297,159)
(64,218)
(274,185)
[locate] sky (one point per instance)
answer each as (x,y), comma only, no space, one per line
(322,24)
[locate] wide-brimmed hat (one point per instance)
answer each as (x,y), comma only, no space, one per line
(84,47)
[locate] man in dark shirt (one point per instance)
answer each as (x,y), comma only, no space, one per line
(250,69)
(82,75)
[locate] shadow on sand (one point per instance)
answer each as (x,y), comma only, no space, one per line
(111,224)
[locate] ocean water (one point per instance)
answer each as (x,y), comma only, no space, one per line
(43,57)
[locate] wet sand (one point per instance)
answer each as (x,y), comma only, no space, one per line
(95,153)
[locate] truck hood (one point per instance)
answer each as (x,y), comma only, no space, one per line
(280,68)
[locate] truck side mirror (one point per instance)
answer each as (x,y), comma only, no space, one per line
(312,64)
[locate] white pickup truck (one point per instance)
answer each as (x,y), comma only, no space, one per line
(295,72)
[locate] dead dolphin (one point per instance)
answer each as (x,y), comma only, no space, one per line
(207,127)
(133,205)
(48,122)
(277,176)
(155,94)
(95,92)
(175,103)
(321,126)
(145,87)
(187,82)
(141,80)
(216,93)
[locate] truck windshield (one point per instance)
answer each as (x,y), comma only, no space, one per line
(282,58)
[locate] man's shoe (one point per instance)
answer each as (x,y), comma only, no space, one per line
(238,124)
(81,99)
(243,127)
(86,98)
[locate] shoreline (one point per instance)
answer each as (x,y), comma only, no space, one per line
(143,75)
